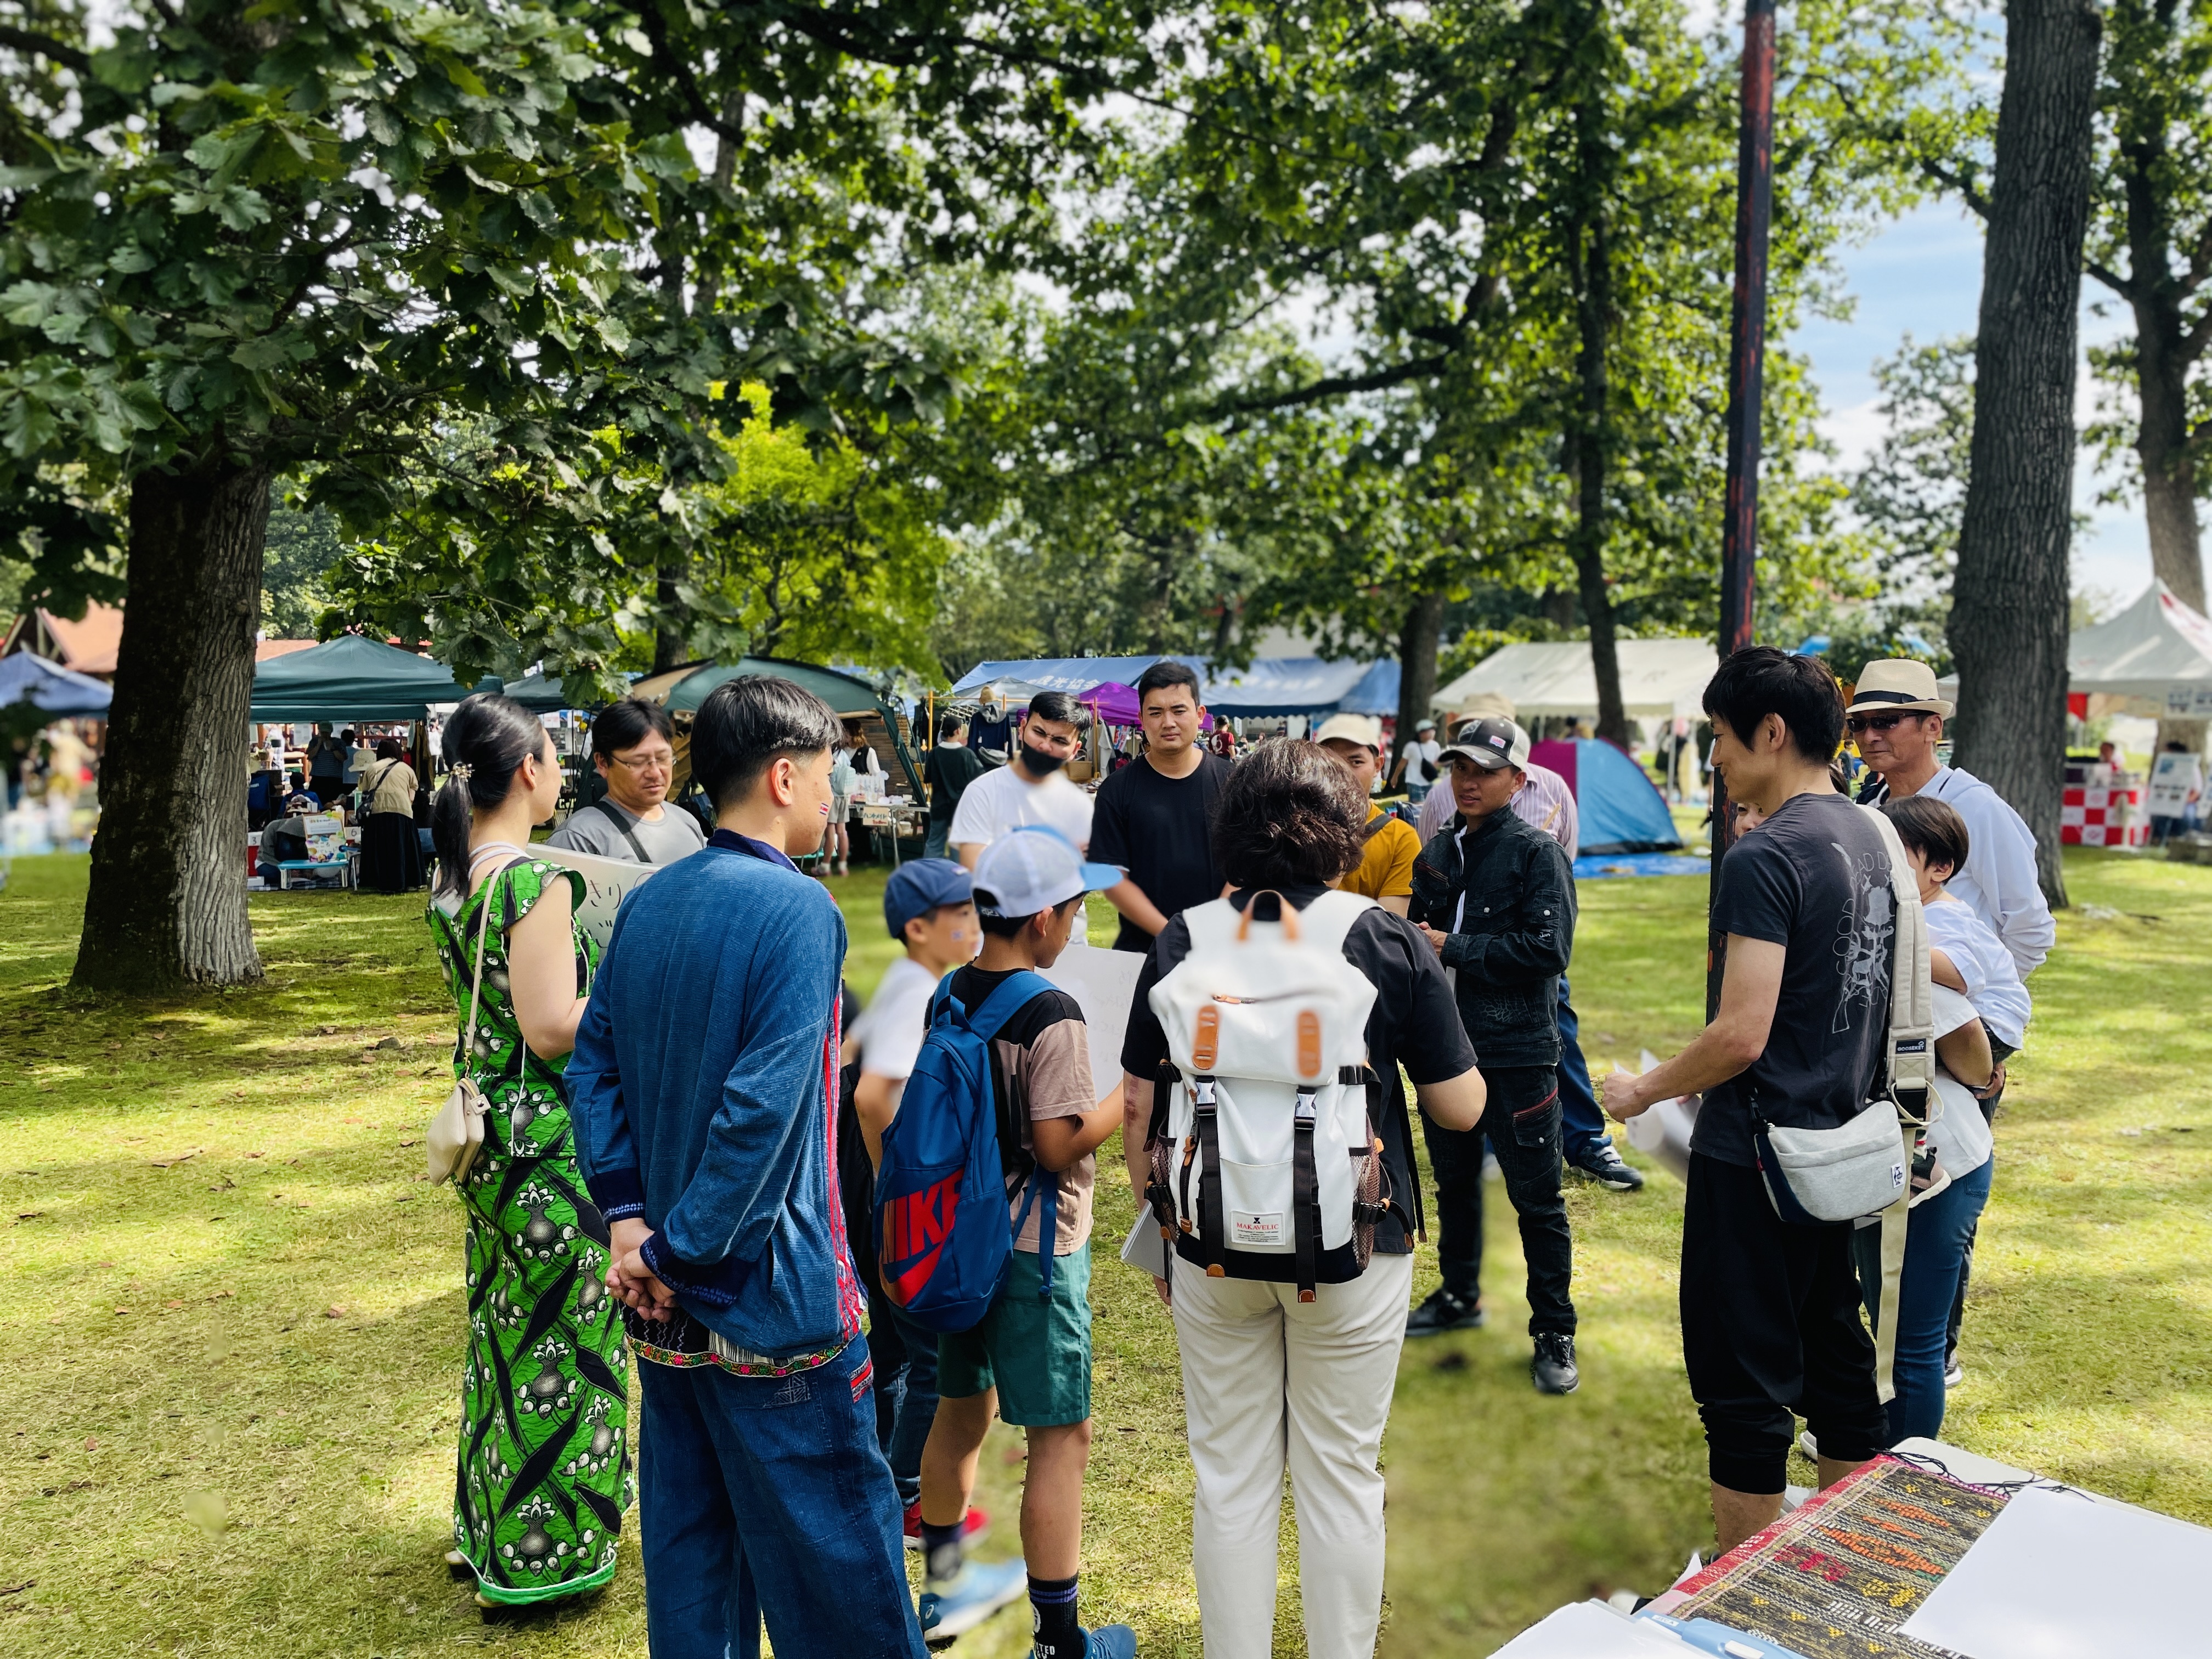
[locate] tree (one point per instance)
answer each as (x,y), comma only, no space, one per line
(2010,612)
(295,564)
(2152,247)
(236,243)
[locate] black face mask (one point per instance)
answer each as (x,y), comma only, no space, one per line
(1038,761)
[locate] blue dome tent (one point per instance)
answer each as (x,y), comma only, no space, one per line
(1620,809)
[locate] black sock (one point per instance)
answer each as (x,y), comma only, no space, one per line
(940,1549)
(1056,1634)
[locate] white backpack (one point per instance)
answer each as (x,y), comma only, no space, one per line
(1268,1153)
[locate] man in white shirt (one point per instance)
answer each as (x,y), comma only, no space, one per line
(1897,720)
(1420,763)
(1030,788)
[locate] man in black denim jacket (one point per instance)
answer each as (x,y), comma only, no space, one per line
(1496,898)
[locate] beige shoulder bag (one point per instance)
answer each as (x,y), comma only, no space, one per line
(455,1137)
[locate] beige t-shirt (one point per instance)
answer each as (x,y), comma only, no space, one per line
(1042,1055)
(395,786)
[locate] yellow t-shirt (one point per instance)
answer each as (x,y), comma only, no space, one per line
(1387,871)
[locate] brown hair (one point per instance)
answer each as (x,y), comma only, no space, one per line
(1291,815)
(1931,828)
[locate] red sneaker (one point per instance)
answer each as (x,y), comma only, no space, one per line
(974,1530)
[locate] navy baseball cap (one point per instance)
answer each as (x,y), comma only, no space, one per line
(916,889)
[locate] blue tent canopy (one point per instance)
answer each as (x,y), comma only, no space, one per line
(61,692)
(1271,686)
(1075,675)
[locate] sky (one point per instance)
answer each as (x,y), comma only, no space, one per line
(1923,276)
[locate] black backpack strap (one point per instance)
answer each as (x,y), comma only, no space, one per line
(1207,1131)
(623,825)
(1305,1197)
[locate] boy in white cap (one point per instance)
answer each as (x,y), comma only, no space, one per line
(1029,1360)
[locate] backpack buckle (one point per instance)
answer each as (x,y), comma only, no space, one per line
(1201,1095)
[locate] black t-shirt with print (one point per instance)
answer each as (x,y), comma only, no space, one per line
(1414,1024)
(1815,880)
(1160,830)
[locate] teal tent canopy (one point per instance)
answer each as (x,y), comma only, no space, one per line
(350,678)
(539,695)
(847,693)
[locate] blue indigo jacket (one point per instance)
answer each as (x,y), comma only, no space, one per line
(702,1089)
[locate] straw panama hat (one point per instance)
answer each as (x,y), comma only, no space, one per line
(1900,683)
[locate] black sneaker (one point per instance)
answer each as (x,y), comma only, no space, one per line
(1600,1164)
(1553,1368)
(1445,1310)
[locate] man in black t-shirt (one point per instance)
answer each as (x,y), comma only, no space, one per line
(1154,817)
(1771,1321)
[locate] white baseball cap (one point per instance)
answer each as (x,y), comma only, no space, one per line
(1363,729)
(1034,868)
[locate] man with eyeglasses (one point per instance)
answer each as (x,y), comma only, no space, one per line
(633,746)
(1897,719)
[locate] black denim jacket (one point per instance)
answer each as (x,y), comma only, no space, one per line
(1511,942)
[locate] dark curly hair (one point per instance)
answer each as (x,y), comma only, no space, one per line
(1291,815)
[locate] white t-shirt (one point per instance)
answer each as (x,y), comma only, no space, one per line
(890,1029)
(1431,751)
(1960,1134)
(1993,978)
(1001,800)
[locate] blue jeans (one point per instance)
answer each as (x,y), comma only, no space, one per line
(933,845)
(906,1392)
(1582,1124)
(1935,1241)
(765,1497)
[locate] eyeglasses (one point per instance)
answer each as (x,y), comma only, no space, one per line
(659,762)
(1856,724)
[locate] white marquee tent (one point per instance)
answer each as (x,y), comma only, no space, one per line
(2158,649)
(1659,679)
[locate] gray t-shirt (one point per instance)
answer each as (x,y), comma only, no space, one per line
(675,835)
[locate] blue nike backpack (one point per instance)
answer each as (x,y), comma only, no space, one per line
(942,1235)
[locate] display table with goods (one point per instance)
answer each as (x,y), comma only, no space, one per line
(893,819)
(1928,1553)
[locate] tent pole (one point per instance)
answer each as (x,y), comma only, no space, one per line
(1755,212)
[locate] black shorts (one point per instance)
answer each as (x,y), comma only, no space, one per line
(1770,1330)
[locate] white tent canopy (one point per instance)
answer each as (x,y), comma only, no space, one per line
(2157,648)
(1659,679)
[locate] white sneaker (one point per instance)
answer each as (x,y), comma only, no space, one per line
(1809,1446)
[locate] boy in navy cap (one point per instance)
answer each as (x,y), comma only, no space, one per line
(929,908)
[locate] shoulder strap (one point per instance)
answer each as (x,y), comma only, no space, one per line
(1004,1003)
(1325,922)
(1376,826)
(1911,1053)
(623,825)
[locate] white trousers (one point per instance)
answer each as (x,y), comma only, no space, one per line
(1266,1381)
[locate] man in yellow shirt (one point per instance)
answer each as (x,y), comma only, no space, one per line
(1385,872)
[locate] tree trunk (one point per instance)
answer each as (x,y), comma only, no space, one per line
(669,645)
(1416,667)
(1587,446)
(2010,607)
(167,901)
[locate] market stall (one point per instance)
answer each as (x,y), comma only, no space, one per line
(350,678)
(1660,679)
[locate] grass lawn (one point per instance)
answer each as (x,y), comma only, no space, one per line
(232,1312)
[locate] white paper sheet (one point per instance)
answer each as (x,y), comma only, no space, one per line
(606,881)
(1144,1248)
(2058,1576)
(1590,1630)
(1103,982)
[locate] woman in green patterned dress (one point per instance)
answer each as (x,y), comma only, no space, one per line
(543,1476)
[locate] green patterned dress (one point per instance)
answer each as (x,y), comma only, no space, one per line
(544,1475)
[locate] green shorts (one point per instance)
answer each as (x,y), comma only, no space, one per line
(1035,1350)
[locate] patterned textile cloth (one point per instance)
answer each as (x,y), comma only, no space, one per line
(544,1473)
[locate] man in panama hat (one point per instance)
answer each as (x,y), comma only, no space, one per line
(1896,717)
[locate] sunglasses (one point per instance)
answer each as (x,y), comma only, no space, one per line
(1856,724)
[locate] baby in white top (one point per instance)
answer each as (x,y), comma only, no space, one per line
(1964,953)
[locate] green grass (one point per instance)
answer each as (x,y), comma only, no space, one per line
(227,1421)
